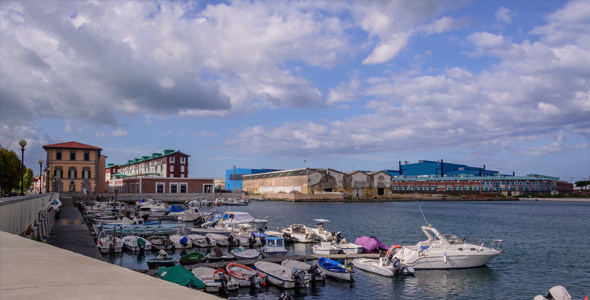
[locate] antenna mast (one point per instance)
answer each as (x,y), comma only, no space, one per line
(427,224)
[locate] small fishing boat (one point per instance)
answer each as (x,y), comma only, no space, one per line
(241,253)
(192,258)
(245,276)
(109,244)
(214,257)
(221,240)
(321,232)
(161,242)
(313,271)
(273,247)
(136,243)
(215,280)
(325,248)
(281,276)
(162,260)
(335,269)
(382,266)
(181,241)
(200,240)
(350,248)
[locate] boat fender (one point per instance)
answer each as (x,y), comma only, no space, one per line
(445,256)
(219,270)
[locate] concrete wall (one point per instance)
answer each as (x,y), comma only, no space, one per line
(19,213)
(132,197)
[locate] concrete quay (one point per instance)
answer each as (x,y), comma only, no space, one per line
(35,270)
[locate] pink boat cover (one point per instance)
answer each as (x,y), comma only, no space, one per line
(370,243)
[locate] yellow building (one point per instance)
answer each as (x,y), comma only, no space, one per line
(75,167)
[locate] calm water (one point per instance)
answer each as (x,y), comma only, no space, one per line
(545,243)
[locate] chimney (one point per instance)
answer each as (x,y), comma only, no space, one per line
(442,170)
(513,173)
(400,167)
(480,172)
(484,167)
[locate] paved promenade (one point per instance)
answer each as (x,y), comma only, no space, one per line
(36,270)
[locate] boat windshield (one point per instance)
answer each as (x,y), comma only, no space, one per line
(452,239)
(280,243)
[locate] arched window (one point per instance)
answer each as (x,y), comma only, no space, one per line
(86,172)
(72,172)
(58,172)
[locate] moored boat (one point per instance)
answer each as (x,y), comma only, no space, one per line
(325,248)
(245,276)
(110,244)
(162,260)
(241,253)
(301,233)
(335,269)
(273,247)
(192,258)
(161,242)
(181,241)
(447,251)
(281,276)
(136,243)
(215,280)
(312,271)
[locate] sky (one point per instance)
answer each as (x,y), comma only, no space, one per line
(347,85)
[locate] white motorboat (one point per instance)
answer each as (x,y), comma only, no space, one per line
(221,240)
(241,253)
(215,279)
(245,276)
(225,256)
(350,248)
(191,214)
(321,232)
(325,248)
(161,242)
(385,266)
(233,218)
(281,276)
(273,247)
(301,233)
(136,243)
(110,243)
(313,271)
(447,251)
(181,241)
(200,240)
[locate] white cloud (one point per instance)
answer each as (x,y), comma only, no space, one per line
(119,132)
(504,15)
(346,91)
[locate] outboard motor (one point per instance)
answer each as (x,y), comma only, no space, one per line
(338,237)
(184,241)
(299,277)
(285,296)
(315,272)
(254,279)
(251,241)
(223,279)
(230,239)
(208,240)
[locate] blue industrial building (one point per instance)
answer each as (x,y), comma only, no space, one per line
(233,177)
(439,168)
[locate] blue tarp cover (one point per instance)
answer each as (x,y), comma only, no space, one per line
(176,208)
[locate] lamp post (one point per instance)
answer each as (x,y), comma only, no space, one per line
(235,188)
(40,176)
(22,143)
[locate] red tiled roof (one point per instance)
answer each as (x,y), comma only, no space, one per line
(72,145)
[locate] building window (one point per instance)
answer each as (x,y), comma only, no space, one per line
(173,188)
(171,160)
(58,173)
(183,160)
(171,169)
(86,155)
(72,173)
(181,168)
(86,172)
(58,155)
(72,155)
(183,188)
(160,187)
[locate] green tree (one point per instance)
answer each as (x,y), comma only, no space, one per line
(10,170)
(583,183)
(28,179)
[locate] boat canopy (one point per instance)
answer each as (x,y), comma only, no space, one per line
(370,243)
(180,275)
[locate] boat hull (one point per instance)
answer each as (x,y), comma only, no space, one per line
(373,266)
(450,262)
(276,274)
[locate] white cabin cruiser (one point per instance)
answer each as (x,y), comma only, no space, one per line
(301,233)
(234,218)
(447,251)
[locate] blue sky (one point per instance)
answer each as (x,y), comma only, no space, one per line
(269,84)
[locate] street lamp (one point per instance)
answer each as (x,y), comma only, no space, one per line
(40,175)
(22,143)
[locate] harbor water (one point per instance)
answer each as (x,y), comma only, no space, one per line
(545,244)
